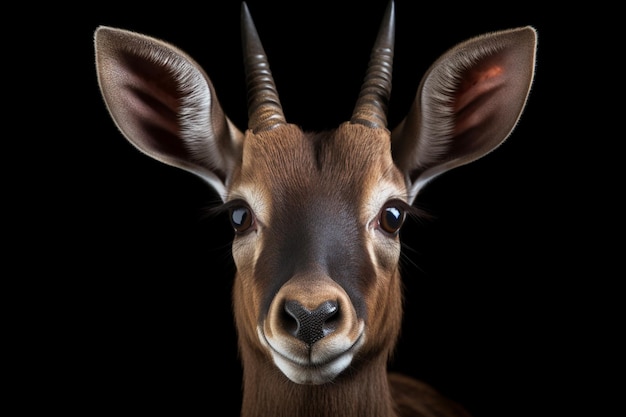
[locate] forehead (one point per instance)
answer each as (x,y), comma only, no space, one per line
(284,163)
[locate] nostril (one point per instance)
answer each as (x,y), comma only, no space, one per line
(311,326)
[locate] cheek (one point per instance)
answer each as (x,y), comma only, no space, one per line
(385,252)
(384,295)
(245,255)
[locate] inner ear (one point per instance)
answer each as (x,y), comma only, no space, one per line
(467,104)
(482,108)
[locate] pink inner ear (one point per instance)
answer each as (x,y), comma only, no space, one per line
(474,99)
(476,83)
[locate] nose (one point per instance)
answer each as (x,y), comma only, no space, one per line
(311,325)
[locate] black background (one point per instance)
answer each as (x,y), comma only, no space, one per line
(138,311)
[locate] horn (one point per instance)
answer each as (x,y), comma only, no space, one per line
(264,109)
(371,106)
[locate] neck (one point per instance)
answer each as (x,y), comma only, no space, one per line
(360,391)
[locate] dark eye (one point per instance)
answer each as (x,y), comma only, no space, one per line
(241,218)
(392,217)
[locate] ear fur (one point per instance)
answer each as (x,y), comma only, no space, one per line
(165,105)
(467,104)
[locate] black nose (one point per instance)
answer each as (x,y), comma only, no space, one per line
(311,326)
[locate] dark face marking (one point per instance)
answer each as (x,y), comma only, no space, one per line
(315,187)
(315,232)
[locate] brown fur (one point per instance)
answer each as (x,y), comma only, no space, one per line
(346,164)
(417,399)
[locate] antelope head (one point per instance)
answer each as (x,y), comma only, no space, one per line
(317,293)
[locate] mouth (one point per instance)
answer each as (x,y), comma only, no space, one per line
(316,364)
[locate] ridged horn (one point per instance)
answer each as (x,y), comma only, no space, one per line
(264,109)
(371,106)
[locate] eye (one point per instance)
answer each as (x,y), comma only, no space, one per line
(241,218)
(392,217)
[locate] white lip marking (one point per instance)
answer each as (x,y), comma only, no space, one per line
(304,370)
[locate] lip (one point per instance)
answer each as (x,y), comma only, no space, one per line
(304,370)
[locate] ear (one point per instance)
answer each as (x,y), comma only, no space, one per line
(467,104)
(165,105)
